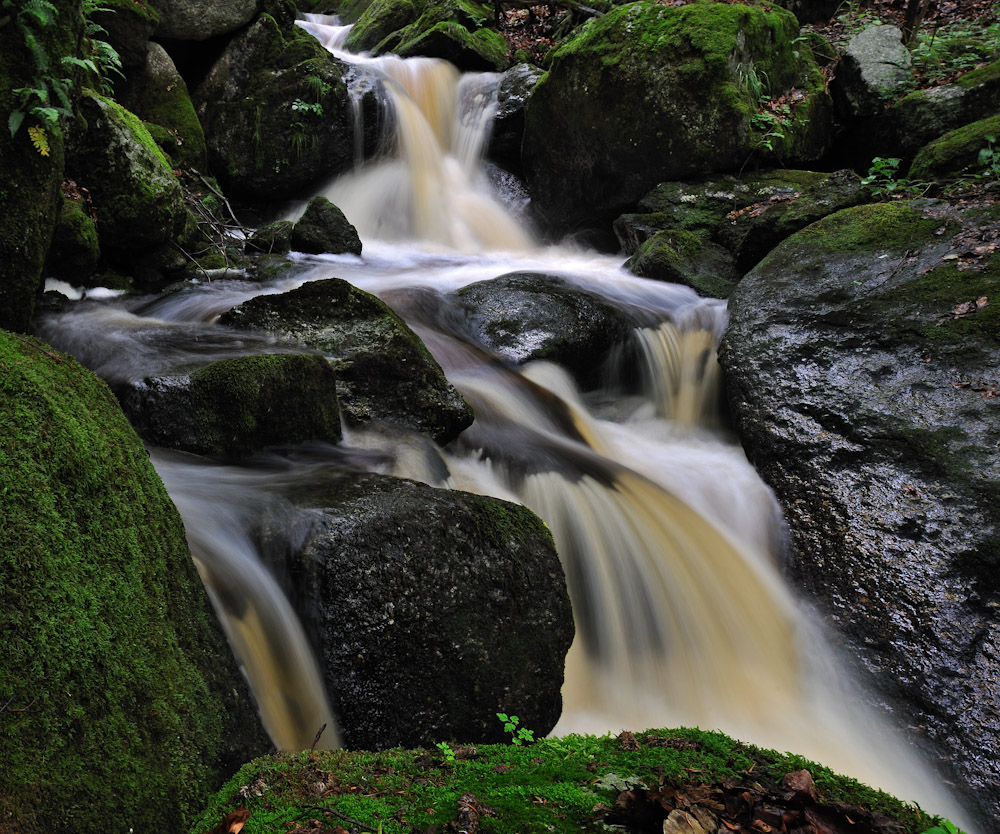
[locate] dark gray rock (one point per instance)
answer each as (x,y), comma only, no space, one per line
(526,316)
(197,20)
(508,124)
(384,372)
(276,113)
(860,362)
(237,407)
(747,216)
(873,66)
(323,228)
(680,257)
(430,611)
(274,238)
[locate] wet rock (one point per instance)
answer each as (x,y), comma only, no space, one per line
(74,251)
(644,95)
(383,370)
(860,363)
(276,112)
(526,316)
(874,65)
(238,407)
(681,257)
(323,228)
(747,216)
(113,662)
(508,124)
(430,611)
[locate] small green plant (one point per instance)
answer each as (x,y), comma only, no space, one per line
(989,160)
(446,751)
(883,176)
(317,86)
(300,106)
(519,735)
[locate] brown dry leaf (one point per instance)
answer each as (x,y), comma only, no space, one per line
(232,823)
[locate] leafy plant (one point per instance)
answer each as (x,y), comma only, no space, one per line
(519,735)
(446,751)
(883,176)
(301,106)
(989,160)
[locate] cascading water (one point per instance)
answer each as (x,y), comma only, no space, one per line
(667,535)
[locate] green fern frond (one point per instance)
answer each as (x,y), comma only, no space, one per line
(37,50)
(14,121)
(41,11)
(83,63)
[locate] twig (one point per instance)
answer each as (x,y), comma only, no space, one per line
(337,814)
(319,732)
(221,196)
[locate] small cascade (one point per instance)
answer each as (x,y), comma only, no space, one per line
(430,187)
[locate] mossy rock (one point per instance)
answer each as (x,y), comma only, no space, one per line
(681,257)
(860,364)
(379,20)
(124,707)
(128,25)
(480,51)
(276,113)
(138,201)
(650,93)
(274,238)
(636,781)
(324,229)
(30,182)
(197,20)
(955,153)
(158,95)
(384,371)
(237,407)
(399,581)
(74,252)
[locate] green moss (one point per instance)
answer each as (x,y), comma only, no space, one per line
(111,657)
(877,227)
(989,74)
(136,127)
(954,153)
(558,784)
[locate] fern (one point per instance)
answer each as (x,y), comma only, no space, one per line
(39,138)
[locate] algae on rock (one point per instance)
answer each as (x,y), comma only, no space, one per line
(125,706)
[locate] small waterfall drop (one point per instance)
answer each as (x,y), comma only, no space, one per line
(668,538)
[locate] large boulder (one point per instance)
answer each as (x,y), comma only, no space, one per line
(650,93)
(32,201)
(238,407)
(449,29)
(873,66)
(860,363)
(748,216)
(430,611)
(384,372)
(139,203)
(508,124)
(276,112)
(123,706)
(158,95)
(198,20)
(322,228)
(955,152)
(527,316)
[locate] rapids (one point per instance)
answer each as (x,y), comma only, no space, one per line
(670,542)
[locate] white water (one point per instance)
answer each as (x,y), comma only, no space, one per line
(668,537)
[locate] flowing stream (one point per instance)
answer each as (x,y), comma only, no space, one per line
(668,538)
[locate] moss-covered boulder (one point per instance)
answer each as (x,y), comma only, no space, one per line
(449,29)
(276,112)
(956,152)
(747,215)
(687,258)
(528,316)
(123,706)
(237,407)
(128,25)
(74,251)
(139,203)
(198,20)
(158,95)
(812,11)
(323,228)
(679,781)
(924,115)
(29,180)
(384,372)
(650,93)
(456,599)
(860,364)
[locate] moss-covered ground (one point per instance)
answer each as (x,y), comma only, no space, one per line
(574,783)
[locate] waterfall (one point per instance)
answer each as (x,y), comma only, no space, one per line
(669,540)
